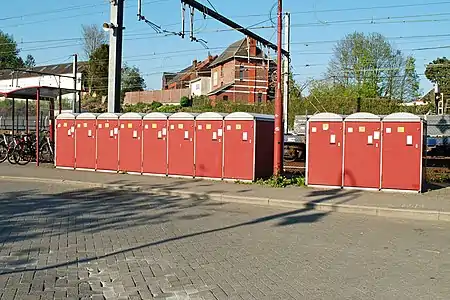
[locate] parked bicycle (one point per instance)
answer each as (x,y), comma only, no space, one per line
(7,144)
(24,150)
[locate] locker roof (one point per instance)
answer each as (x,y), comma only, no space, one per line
(157,116)
(363,116)
(67,116)
(402,117)
(211,116)
(183,116)
(326,117)
(131,116)
(248,116)
(87,116)
(106,116)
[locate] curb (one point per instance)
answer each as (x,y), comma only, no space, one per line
(421,215)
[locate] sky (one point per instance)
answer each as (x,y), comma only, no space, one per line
(50,30)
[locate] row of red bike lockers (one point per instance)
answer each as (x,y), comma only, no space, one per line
(210,145)
(366,151)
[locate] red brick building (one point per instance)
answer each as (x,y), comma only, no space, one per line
(182,79)
(242,73)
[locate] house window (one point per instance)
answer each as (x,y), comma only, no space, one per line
(221,71)
(215,79)
(241,72)
(259,97)
(225,98)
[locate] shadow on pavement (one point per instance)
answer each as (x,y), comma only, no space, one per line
(28,214)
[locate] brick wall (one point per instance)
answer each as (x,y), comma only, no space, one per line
(225,74)
(164,96)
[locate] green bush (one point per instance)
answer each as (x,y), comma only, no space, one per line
(169,108)
(155,105)
(185,102)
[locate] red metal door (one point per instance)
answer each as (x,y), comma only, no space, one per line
(154,147)
(325,153)
(107,145)
(402,156)
(181,148)
(239,150)
(130,146)
(208,149)
(362,154)
(65,143)
(85,146)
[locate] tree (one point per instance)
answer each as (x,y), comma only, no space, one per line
(9,52)
(93,38)
(97,73)
(410,80)
(438,71)
(30,62)
(131,81)
(372,65)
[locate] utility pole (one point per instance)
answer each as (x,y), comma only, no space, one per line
(278,134)
(115,28)
(286,65)
(75,71)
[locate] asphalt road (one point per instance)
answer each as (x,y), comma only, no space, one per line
(63,242)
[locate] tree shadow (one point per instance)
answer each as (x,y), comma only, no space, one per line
(28,214)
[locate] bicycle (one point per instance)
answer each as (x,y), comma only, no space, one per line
(7,144)
(25,150)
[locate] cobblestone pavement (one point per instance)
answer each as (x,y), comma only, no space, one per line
(62,242)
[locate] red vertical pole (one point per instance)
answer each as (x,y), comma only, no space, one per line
(37,124)
(278,134)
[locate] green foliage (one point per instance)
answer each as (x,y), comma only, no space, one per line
(131,81)
(281,181)
(155,105)
(438,71)
(30,62)
(169,108)
(9,52)
(185,102)
(374,67)
(97,73)
(93,104)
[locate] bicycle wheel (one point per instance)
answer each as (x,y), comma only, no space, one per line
(13,156)
(3,152)
(46,153)
(24,154)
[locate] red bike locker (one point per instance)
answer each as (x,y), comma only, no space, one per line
(209,145)
(65,141)
(324,150)
(130,143)
(108,142)
(362,151)
(154,139)
(248,146)
(403,164)
(86,141)
(181,144)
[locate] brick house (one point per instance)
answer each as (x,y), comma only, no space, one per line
(182,79)
(242,73)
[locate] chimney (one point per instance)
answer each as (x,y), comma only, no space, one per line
(194,63)
(252,47)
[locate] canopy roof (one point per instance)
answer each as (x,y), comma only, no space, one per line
(30,92)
